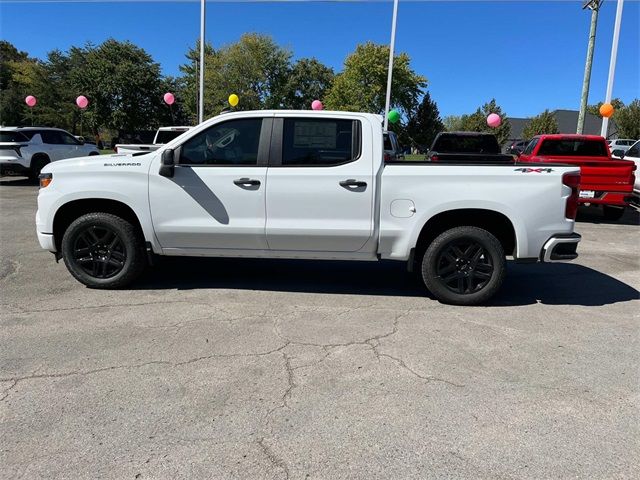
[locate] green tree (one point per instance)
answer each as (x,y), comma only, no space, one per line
(628,120)
(255,68)
(16,82)
(425,124)
(123,85)
(454,123)
(362,85)
(541,124)
(307,80)
(477,121)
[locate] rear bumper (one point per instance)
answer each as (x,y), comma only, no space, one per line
(620,199)
(560,248)
(13,168)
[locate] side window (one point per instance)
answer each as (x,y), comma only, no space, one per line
(51,137)
(532,144)
(634,151)
(318,142)
(229,143)
(67,139)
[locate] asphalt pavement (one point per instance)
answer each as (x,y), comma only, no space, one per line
(260,369)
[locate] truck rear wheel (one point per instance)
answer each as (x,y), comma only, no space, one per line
(464,266)
(102,250)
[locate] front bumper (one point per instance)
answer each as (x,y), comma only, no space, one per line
(560,248)
(47,241)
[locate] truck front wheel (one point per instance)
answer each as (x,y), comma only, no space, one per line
(464,266)
(102,250)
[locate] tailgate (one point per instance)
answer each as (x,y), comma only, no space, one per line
(602,174)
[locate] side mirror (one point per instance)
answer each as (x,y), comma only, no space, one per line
(167,163)
(618,152)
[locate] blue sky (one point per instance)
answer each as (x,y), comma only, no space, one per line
(528,55)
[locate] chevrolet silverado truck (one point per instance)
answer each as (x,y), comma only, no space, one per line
(467,147)
(604,181)
(163,135)
(308,185)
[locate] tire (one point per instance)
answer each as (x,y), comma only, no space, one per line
(102,250)
(464,266)
(37,164)
(612,213)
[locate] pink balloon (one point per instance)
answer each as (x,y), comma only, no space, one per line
(317,105)
(31,101)
(82,101)
(169,98)
(494,120)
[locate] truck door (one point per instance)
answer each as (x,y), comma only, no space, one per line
(216,198)
(319,185)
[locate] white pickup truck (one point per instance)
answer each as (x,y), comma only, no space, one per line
(305,184)
(163,135)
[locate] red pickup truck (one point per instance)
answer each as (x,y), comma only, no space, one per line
(604,181)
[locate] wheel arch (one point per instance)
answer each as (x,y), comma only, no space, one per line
(496,223)
(74,209)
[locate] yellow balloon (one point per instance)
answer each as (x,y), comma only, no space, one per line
(233,99)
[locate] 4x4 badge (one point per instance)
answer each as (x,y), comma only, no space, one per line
(534,170)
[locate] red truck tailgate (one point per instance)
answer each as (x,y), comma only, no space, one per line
(599,174)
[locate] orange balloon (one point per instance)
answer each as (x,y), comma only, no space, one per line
(606,110)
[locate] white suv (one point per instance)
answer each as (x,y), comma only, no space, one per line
(26,150)
(623,144)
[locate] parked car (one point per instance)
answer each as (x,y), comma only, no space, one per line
(467,147)
(26,150)
(633,154)
(623,144)
(516,147)
(304,184)
(163,135)
(605,181)
(392,148)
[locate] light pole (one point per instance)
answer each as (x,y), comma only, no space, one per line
(612,64)
(390,72)
(201,86)
(594,6)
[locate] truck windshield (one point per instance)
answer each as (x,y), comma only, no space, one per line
(165,136)
(467,144)
(570,147)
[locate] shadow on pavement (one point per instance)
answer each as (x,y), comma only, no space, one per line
(10,181)
(594,215)
(553,284)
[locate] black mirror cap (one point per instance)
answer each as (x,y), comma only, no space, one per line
(618,152)
(167,163)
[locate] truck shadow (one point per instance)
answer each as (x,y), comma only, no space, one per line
(591,215)
(553,284)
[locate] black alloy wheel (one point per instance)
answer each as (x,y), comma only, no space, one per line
(99,252)
(464,266)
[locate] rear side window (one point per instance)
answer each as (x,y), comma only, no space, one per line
(319,142)
(12,137)
(570,147)
(51,137)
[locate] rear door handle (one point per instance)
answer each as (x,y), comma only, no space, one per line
(246,182)
(352,183)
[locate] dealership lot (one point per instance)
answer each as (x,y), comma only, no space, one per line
(225,368)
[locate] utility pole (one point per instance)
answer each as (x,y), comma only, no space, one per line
(594,6)
(612,64)
(387,103)
(201,86)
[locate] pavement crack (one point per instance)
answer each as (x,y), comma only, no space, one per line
(275,460)
(427,378)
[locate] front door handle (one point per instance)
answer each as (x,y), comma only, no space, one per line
(353,183)
(247,182)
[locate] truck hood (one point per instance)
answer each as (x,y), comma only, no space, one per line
(101,163)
